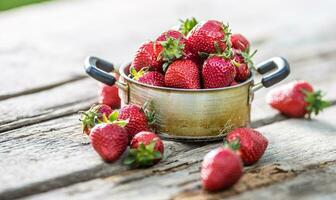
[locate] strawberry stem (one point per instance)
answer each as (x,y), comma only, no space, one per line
(143,156)
(315,102)
(187,25)
(172,49)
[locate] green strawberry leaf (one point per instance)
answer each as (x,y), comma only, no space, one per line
(315,102)
(187,25)
(129,160)
(234,144)
(114,115)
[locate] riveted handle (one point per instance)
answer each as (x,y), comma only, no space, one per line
(282,71)
(98,69)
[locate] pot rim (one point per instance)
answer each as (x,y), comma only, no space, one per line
(123,74)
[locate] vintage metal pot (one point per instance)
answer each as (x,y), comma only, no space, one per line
(192,115)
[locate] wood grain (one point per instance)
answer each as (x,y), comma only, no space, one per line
(292,148)
(59,35)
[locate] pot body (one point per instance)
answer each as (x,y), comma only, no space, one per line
(191,114)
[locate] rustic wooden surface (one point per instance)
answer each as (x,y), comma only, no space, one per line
(43,86)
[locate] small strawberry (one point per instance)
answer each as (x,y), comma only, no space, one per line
(95,113)
(187,25)
(173,45)
(243,62)
(147,57)
(233,83)
(148,77)
(218,72)
(146,149)
(249,143)
(137,119)
(208,37)
(297,99)
(182,74)
(109,95)
(170,34)
(239,42)
(109,141)
(221,168)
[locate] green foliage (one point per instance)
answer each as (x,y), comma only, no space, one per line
(9,4)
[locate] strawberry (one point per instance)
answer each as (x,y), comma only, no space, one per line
(239,42)
(89,117)
(109,141)
(242,69)
(148,77)
(172,34)
(183,74)
(173,45)
(209,37)
(233,83)
(146,149)
(187,25)
(250,144)
(147,57)
(221,168)
(217,72)
(297,99)
(137,119)
(109,95)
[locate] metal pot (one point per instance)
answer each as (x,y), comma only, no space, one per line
(197,114)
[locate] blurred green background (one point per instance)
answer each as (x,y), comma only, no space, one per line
(9,4)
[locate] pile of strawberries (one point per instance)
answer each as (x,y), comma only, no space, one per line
(198,55)
(111,132)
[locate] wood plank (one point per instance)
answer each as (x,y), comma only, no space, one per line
(70,32)
(51,154)
(292,149)
(312,184)
(60,101)
(65,132)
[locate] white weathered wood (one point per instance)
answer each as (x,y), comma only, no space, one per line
(45,44)
(33,108)
(294,145)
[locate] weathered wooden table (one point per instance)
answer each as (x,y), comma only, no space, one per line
(43,154)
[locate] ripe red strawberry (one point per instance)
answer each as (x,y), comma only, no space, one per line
(173,45)
(251,144)
(296,99)
(147,57)
(146,149)
(109,95)
(170,33)
(218,72)
(221,168)
(240,42)
(109,141)
(137,119)
(208,37)
(242,69)
(183,74)
(233,83)
(148,77)
(89,117)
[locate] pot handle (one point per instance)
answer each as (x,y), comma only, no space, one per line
(282,70)
(98,69)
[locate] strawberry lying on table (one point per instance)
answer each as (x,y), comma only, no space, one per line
(297,99)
